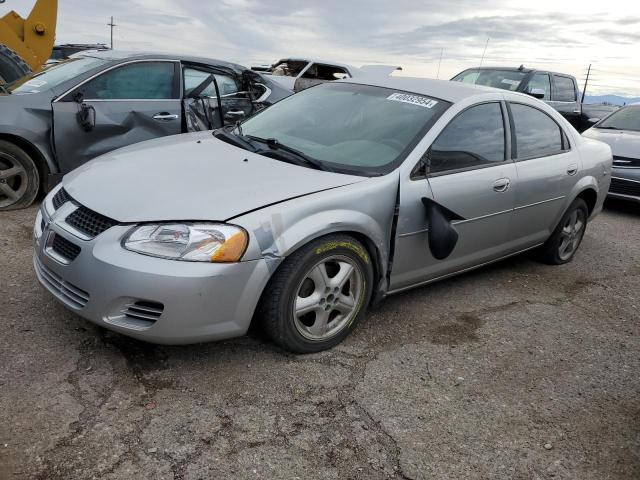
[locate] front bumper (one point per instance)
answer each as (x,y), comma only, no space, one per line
(625,184)
(152,299)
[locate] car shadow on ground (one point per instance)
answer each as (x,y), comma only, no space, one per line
(622,206)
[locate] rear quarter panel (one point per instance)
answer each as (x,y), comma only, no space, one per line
(597,163)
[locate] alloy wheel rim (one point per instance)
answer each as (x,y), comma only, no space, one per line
(571,234)
(328,298)
(13,180)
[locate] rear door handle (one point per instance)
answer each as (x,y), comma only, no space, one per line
(501,185)
(572,169)
(166,116)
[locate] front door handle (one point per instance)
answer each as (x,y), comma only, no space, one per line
(577,110)
(572,169)
(166,116)
(501,185)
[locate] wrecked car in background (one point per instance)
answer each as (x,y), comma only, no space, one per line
(296,74)
(311,210)
(53,121)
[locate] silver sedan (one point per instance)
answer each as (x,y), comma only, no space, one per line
(621,131)
(315,209)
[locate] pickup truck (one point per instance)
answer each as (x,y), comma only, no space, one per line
(559,90)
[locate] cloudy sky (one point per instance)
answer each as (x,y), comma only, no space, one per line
(561,35)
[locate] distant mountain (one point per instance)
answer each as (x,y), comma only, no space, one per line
(614,99)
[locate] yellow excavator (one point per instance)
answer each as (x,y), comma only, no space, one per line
(26,44)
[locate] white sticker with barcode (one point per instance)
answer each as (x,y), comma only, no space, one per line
(413,100)
(508,81)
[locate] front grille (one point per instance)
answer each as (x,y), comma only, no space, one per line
(66,292)
(89,222)
(60,198)
(625,187)
(143,310)
(626,162)
(65,248)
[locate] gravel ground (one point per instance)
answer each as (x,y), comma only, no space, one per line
(515,371)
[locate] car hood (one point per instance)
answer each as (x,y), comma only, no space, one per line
(190,177)
(623,143)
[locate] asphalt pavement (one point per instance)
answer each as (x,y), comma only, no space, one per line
(515,371)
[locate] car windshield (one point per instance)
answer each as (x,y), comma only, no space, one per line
(351,128)
(55,75)
(627,118)
(504,79)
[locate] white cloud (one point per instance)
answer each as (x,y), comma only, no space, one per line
(564,36)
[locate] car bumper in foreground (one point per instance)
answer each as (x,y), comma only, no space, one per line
(152,299)
(625,184)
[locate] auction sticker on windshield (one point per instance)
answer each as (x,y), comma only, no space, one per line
(418,100)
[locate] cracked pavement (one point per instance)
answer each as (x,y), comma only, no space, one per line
(518,371)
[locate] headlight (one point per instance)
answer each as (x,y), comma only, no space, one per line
(198,242)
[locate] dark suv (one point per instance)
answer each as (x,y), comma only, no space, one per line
(557,89)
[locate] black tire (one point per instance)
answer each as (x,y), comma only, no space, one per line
(19,177)
(12,66)
(552,252)
(276,312)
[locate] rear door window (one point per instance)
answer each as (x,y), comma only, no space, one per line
(135,81)
(193,78)
(537,134)
(565,89)
(541,81)
(475,138)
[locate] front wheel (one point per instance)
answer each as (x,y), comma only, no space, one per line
(563,243)
(318,295)
(19,178)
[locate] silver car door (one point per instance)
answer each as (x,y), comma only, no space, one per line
(126,104)
(469,179)
(546,165)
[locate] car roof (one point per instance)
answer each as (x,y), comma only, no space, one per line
(120,55)
(443,89)
(518,69)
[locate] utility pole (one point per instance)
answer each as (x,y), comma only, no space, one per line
(441,51)
(484,51)
(586,81)
(111,24)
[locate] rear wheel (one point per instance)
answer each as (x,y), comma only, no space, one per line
(563,244)
(12,67)
(318,295)
(19,178)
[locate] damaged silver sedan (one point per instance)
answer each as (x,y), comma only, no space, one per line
(55,120)
(315,209)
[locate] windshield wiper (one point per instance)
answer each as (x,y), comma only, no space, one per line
(234,139)
(302,158)
(611,128)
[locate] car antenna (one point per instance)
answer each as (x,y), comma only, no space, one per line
(521,67)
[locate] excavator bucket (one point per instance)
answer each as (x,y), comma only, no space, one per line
(26,44)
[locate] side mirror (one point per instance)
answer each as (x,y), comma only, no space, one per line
(442,236)
(86,117)
(233,116)
(536,93)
